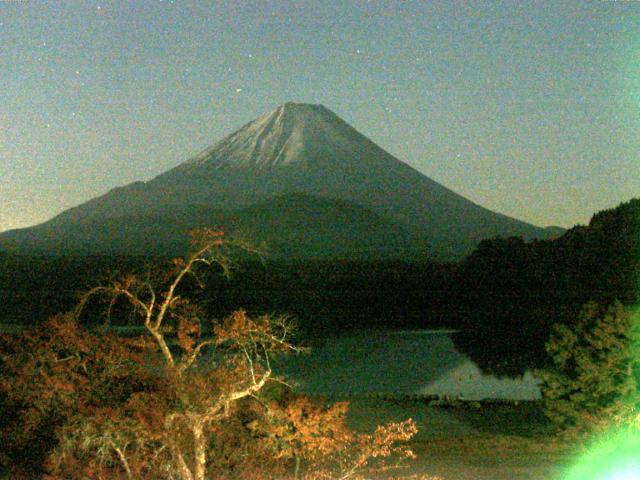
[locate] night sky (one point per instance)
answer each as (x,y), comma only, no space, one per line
(528,108)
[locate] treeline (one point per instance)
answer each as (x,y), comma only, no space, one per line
(32,288)
(324,297)
(521,289)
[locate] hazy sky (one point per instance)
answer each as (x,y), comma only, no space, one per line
(529,108)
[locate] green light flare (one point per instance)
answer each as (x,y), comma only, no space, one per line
(614,457)
(616,454)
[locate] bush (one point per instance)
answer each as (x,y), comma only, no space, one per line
(592,377)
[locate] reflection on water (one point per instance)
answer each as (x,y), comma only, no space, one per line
(419,362)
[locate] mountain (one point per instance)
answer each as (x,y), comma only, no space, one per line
(293,226)
(298,148)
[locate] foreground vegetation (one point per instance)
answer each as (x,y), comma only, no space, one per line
(191,399)
(593,376)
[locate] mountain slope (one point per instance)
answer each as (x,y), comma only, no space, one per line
(292,226)
(306,148)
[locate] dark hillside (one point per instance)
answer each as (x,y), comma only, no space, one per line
(520,289)
(505,296)
(292,226)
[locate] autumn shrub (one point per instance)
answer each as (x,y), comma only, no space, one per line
(593,373)
(316,434)
(189,399)
(56,372)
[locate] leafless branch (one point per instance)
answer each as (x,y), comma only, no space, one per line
(194,354)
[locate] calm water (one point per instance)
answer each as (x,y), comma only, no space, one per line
(422,362)
(418,362)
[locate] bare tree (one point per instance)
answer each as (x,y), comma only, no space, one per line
(239,368)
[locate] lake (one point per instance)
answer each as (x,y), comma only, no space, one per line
(402,363)
(393,363)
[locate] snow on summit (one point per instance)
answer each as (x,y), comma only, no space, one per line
(282,137)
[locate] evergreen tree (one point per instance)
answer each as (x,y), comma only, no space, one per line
(593,373)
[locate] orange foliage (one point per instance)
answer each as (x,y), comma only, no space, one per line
(318,434)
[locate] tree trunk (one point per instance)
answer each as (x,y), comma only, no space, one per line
(200,451)
(185,473)
(124,462)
